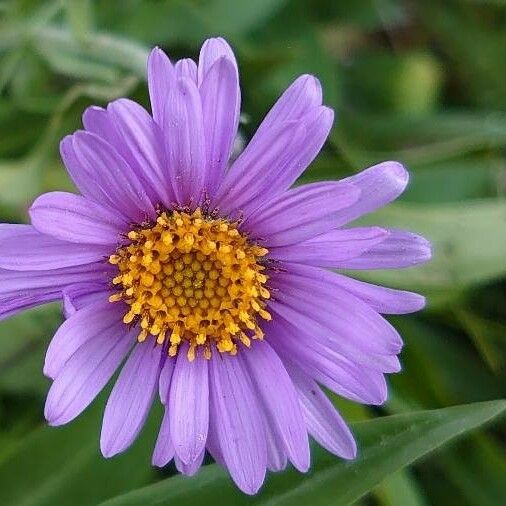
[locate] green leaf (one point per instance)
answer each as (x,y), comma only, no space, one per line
(400,489)
(23,342)
(386,445)
(64,465)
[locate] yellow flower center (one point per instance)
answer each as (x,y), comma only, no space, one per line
(195,279)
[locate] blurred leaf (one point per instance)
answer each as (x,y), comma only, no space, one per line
(80,17)
(23,341)
(478,469)
(386,445)
(64,466)
(417,140)
(400,489)
(407,84)
(439,369)
(488,336)
(180,21)
(98,47)
(473,45)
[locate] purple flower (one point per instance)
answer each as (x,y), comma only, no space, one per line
(214,284)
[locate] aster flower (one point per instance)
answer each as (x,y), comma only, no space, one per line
(213,283)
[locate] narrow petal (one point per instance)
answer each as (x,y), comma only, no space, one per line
(213,443)
(211,51)
(165,379)
(161,78)
(99,319)
(101,174)
(21,290)
(238,424)
(184,132)
(268,181)
(331,248)
(74,218)
(256,169)
(280,402)
(342,314)
(80,295)
(25,283)
(193,467)
(312,334)
(400,249)
(186,68)
(301,213)
(277,459)
(98,121)
(22,248)
(219,93)
(164,449)
(9,306)
(301,97)
(381,299)
(84,375)
(143,147)
(131,398)
(344,377)
(189,406)
(379,185)
(323,421)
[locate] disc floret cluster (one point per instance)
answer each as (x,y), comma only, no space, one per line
(193,278)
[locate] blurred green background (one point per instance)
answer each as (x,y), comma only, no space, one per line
(422,82)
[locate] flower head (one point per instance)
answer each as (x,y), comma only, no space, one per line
(214,282)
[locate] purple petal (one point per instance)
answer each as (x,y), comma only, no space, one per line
(73,218)
(301,213)
(381,299)
(219,93)
(23,284)
(341,375)
(97,320)
(331,248)
(80,295)
(276,453)
(22,248)
(98,121)
(142,146)
(165,379)
(186,68)
(323,421)
(213,444)
(238,423)
(211,51)
(280,404)
(193,467)
(9,306)
(338,346)
(102,175)
(301,97)
(189,406)
(270,180)
(379,185)
(161,78)
(257,168)
(131,399)
(84,376)
(164,449)
(400,249)
(342,314)
(184,132)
